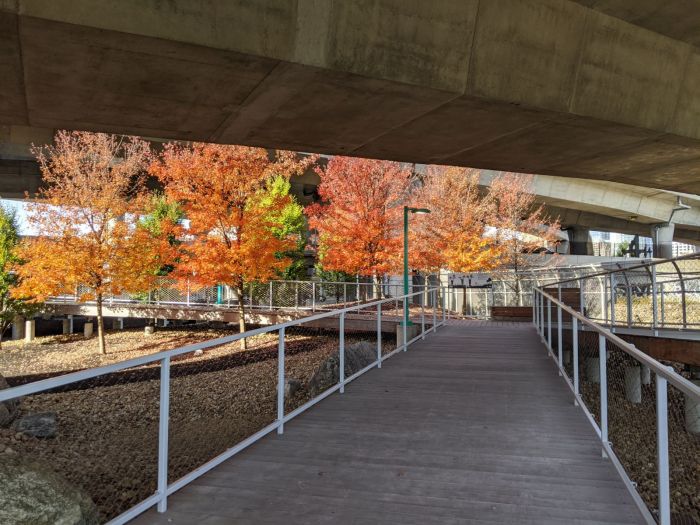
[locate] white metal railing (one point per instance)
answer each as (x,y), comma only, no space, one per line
(616,392)
(425,322)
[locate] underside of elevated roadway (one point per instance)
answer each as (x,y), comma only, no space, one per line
(591,89)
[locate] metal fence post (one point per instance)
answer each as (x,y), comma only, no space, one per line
(628,300)
(280,382)
(313,296)
(341,352)
(188,292)
(403,324)
(581,303)
(296,296)
(663,309)
(163,420)
(434,299)
(613,301)
(559,337)
(549,325)
(422,315)
(379,335)
(444,302)
(541,314)
(602,354)
(270,295)
(662,450)
(574,330)
(654,306)
(345,293)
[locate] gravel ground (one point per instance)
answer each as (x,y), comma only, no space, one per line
(107,431)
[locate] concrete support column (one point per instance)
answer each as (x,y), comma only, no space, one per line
(29,330)
(18,328)
(117,323)
(633,384)
(662,236)
(88,330)
(67,326)
(580,241)
(692,413)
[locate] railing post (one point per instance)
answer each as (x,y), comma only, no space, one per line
(280,382)
(581,303)
(444,303)
(270,295)
(613,301)
(541,314)
(379,335)
(662,450)
(403,324)
(549,325)
(628,300)
(345,293)
(574,329)
(663,309)
(422,315)
(559,338)
(313,296)
(296,296)
(434,293)
(602,354)
(163,420)
(654,305)
(341,352)
(188,292)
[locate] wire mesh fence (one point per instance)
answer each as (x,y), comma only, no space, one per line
(651,422)
(129,432)
(99,434)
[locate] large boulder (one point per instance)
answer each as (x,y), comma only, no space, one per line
(8,409)
(357,356)
(40,425)
(34,494)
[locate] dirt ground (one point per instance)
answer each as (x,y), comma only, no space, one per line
(107,434)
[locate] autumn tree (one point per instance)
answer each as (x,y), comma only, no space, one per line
(523,229)
(10,306)
(452,237)
(86,219)
(235,233)
(359,218)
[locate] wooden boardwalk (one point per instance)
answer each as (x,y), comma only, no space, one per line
(472,425)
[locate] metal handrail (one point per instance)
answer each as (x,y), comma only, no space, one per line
(164,489)
(664,376)
(642,265)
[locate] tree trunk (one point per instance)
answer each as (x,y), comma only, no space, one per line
(378,287)
(100,325)
(241,311)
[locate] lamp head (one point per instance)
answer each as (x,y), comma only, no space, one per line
(419,211)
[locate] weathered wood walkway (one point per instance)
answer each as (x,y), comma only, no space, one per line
(472,425)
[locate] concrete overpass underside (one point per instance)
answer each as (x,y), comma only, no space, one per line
(590,89)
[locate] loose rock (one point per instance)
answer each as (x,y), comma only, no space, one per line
(291,387)
(42,425)
(357,356)
(33,493)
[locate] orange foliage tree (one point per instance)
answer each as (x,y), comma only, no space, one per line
(452,237)
(523,229)
(86,220)
(359,218)
(233,214)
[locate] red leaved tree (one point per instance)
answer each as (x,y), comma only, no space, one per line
(359,218)
(233,213)
(86,219)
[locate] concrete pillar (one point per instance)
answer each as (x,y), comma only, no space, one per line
(662,237)
(633,384)
(18,328)
(692,412)
(66,326)
(580,241)
(29,330)
(117,323)
(411,332)
(88,330)
(646,375)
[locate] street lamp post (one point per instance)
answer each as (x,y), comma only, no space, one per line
(406,211)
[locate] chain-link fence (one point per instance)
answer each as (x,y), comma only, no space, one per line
(646,413)
(127,434)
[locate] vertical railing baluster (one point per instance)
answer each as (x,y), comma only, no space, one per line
(662,450)
(613,301)
(280,382)
(559,338)
(379,335)
(163,424)
(341,352)
(404,324)
(654,305)
(602,354)
(549,325)
(574,330)
(434,299)
(422,315)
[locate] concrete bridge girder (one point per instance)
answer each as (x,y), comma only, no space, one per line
(552,87)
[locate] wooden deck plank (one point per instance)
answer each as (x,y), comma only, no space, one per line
(472,425)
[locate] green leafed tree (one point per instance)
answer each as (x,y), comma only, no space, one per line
(10,307)
(163,215)
(291,224)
